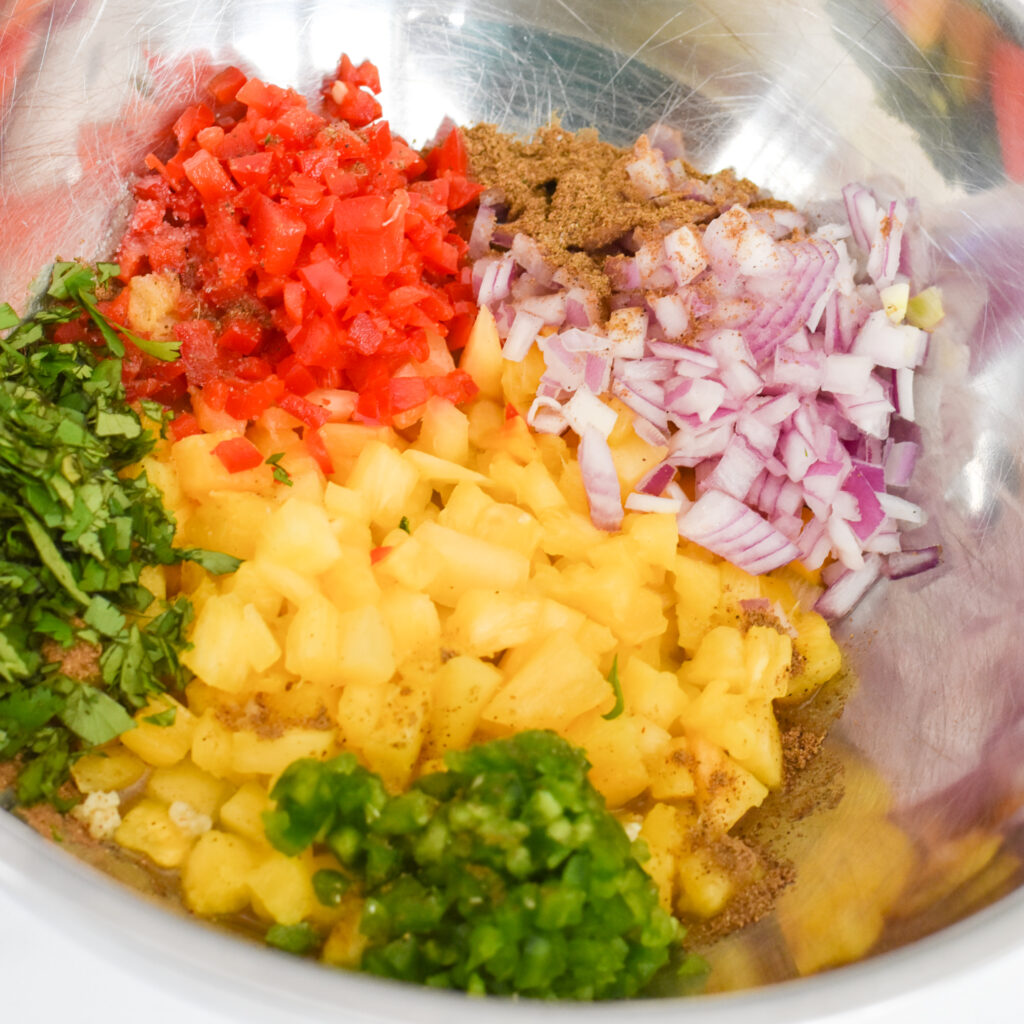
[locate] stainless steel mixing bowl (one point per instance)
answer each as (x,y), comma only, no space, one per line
(800,95)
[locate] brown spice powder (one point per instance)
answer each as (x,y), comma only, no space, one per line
(571,193)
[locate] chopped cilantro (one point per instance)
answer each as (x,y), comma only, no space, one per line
(281,475)
(74,536)
(620,700)
(403,524)
(162,718)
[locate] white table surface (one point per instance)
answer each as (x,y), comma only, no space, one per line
(49,977)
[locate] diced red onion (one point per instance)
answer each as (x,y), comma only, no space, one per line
(657,479)
(600,480)
(483,229)
(900,463)
(521,335)
(585,411)
(637,502)
(899,508)
(900,564)
(848,588)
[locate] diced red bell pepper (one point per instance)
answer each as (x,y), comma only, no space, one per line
(183,425)
(208,177)
(224,85)
(238,454)
(316,447)
(277,232)
(1007,83)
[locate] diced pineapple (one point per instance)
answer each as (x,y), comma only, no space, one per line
(654,695)
(436,470)
(365,651)
(486,622)
(568,533)
(705,886)
(662,831)
(161,745)
(186,783)
(509,527)
(153,305)
(252,754)
(408,561)
(215,877)
(229,640)
(249,584)
(393,748)
(725,789)
(313,648)
(768,655)
(719,656)
(412,620)
(468,563)
(531,485)
(617,769)
(199,471)
(698,587)
(671,771)
(519,381)
(281,889)
(481,358)
(444,431)
(462,688)
(655,536)
(212,746)
(346,941)
(232,522)
(358,712)
(147,829)
(464,507)
(243,811)
(385,481)
(350,582)
(345,443)
(299,535)
(743,727)
(556,685)
(634,458)
(819,656)
(111,768)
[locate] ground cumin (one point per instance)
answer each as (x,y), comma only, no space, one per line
(571,193)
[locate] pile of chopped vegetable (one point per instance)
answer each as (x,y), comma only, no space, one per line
(314,256)
(772,360)
(79,641)
(503,874)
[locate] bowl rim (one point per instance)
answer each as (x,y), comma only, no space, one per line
(226,973)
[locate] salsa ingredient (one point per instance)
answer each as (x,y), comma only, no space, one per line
(80,644)
(770,360)
(301,260)
(429,595)
(504,874)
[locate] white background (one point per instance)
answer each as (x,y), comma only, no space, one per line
(48,977)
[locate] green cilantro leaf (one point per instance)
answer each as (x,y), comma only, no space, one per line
(403,524)
(94,716)
(212,561)
(281,475)
(162,718)
(620,700)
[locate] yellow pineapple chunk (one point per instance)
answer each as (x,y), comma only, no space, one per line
(556,684)
(350,582)
(281,889)
(462,687)
(444,431)
(161,745)
(148,829)
(662,831)
(486,622)
(111,768)
(299,536)
(617,769)
(252,754)
(242,812)
(698,587)
(671,771)
(215,878)
(199,471)
(654,695)
(467,563)
(313,648)
(481,358)
(819,656)
(185,783)
(385,481)
(725,789)
(413,623)
(232,522)
(229,640)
